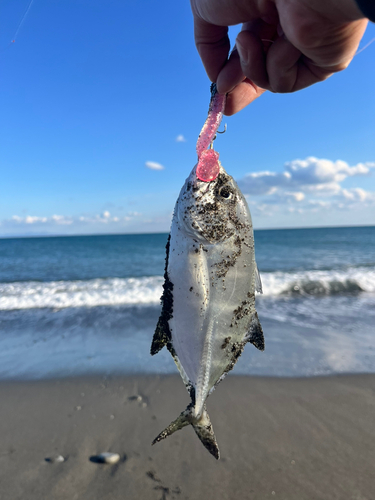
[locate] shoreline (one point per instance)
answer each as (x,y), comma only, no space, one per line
(287,438)
(115,375)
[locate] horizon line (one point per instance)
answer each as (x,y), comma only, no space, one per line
(9,237)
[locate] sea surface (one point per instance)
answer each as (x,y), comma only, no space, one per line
(89,304)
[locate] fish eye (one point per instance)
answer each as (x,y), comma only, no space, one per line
(225,192)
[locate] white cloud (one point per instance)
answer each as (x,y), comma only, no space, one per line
(303,184)
(358,194)
(60,220)
(329,189)
(153,165)
(264,182)
(180,138)
(29,219)
(312,173)
(320,171)
(33,219)
(319,203)
(296,196)
(104,218)
(133,222)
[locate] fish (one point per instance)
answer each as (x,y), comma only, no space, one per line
(208,310)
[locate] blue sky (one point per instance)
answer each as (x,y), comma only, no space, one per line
(91,91)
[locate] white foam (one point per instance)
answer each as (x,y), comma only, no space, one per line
(89,293)
(148,290)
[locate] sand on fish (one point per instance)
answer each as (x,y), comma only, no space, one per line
(311,438)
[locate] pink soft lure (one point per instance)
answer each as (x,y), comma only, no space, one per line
(208,167)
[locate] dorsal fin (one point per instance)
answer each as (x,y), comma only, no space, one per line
(255,334)
(162,335)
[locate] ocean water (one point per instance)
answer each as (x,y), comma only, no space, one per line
(89,304)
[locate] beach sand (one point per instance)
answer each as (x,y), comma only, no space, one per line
(279,439)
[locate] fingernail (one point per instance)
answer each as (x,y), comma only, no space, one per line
(242,52)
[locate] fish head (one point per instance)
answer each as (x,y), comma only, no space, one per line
(212,211)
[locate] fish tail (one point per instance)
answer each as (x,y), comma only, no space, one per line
(203,429)
(202,426)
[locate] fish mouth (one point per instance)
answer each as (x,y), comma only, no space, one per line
(197,184)
(201,188)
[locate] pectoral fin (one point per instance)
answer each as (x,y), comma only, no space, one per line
(258,281)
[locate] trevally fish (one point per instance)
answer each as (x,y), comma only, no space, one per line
(208,302)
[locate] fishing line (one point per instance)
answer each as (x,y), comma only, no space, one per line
(22,21)
(18,28)
(365,47)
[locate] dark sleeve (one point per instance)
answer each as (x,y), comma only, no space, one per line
(368,8)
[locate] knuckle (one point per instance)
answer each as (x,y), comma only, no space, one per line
(282,86)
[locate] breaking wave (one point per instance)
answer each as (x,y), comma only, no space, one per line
(80,293)
(147,290)
(332,282)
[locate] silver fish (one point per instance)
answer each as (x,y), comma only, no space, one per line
(208,303)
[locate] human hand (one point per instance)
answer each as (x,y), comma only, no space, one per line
(284,45)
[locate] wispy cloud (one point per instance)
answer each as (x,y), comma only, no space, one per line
(180,138)
(153,165)
(33,219)
(63,220)
(105,222)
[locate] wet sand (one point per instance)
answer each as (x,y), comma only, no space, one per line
(279,439)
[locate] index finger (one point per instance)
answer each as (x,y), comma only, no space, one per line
(213,46)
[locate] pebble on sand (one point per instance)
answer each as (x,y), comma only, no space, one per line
(57,459)
(108,458)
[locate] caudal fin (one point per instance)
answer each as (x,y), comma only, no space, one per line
(202,426)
